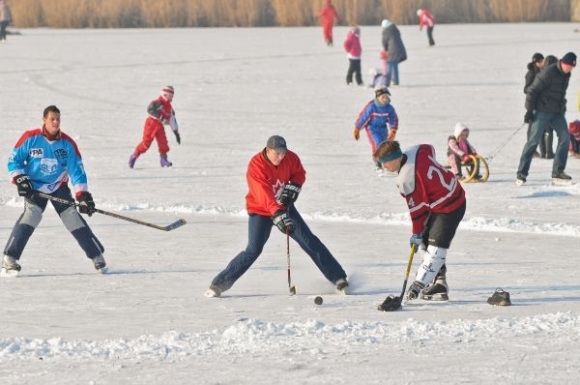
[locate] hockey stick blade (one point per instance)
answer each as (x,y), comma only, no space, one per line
(174,225)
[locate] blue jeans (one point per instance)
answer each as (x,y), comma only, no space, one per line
(541,121)
(259,229)
(392,73)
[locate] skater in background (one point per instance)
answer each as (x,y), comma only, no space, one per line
(459,150)
(426,19)
(327,15)
(534,68)
(45,160)
(436,205)
(5,19)
(396,53)
(379,119)
(354,51)
(574,129)
(546,105)
(275,177)
(160,113)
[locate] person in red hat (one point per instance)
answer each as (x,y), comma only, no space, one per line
(161,113)
(546,106)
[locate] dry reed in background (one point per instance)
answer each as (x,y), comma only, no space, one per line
(262,13)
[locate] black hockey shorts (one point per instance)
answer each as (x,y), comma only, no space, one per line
(440,228)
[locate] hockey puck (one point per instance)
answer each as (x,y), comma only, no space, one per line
(318,300)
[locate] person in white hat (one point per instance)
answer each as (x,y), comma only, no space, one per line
(426,19)
(161,113)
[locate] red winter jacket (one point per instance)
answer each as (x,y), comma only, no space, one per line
(264,180)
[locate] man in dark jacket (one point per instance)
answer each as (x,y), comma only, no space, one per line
(546,105)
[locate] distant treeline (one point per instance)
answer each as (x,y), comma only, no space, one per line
(266,13)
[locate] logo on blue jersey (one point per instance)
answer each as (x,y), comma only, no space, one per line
(48,166)
(35,152)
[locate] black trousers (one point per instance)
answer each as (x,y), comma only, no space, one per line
(354,68)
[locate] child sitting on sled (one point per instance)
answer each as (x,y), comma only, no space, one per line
(459,150)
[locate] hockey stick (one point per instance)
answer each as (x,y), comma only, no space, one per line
(169,227)
(392,303)
(290,287)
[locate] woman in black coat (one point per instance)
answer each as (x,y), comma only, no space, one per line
(396,53)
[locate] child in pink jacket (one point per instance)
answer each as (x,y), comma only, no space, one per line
(459,151)
(354,51)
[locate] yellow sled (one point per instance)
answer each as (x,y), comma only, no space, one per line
(471,172)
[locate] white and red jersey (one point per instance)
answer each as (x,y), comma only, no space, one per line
(426,19)
(427,186)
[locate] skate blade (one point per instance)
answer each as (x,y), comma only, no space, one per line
(9,273)
(441,297)
(561,182)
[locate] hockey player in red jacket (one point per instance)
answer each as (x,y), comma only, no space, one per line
(275,177)
(436,204)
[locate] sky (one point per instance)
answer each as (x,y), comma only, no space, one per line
(147,321)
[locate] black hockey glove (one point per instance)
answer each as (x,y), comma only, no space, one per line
(86,203)
(177,137)
(23,185)
(529,117)
(288,194)
(283,221)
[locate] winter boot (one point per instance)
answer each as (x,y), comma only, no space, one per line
(164,162)
(438,289)
(549,143)
(133,159)
(500,298)
(10,267)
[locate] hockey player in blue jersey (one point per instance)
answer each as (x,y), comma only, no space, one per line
(45,159)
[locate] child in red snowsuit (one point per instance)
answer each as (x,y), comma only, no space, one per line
(160,113)
(459,150)
(327,16)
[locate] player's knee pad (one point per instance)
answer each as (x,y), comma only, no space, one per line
(31,216)
(72,219)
